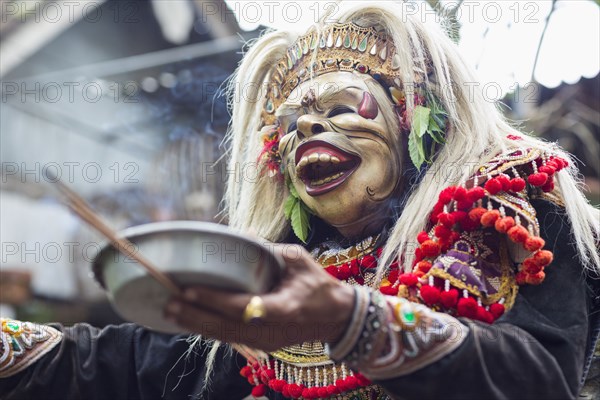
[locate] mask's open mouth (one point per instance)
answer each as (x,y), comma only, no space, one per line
(323,167)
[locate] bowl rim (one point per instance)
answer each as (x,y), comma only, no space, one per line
(136,231)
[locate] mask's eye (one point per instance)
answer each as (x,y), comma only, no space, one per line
(292,127)
(339,110)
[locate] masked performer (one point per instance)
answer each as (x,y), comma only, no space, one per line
(443,252)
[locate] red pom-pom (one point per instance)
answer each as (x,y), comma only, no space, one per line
(322,391)
(408,279)
(469,225)
(429,248)
(446,219)
(341,385)
(344,272)
(543,257)
(517,184)
(484,315)
(534,243)
(489,218)
(251,380)
(460,194)
(389,290)
(548,169)
(565,163)
(419,274)
(475,194)
(332,389)
(354,267)
(493,186)
(441,231)
(476,214)
(332,270)
(504,224)
(447,194)
(548,186)
(467,307)
(430,294)
(497,310)
(504,181)
(368,262)
(459,216)
(520,278)
(418,255)
(530,267)
(518,234)
(260,390)
(351,382)
(246,371)
(266,375)
(422,236)
(454,237)
(286,391)
(295,390)
(306,394)
(277,384)
(449,298)
(424,266)
(464,204)
(393,276)
(437,209)
(537,179)
(535,279)
(560,162)
(552,163)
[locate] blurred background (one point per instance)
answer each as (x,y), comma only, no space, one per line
(123,101)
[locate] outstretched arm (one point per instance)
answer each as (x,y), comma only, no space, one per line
(119,362)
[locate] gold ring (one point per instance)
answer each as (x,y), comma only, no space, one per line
(255,310)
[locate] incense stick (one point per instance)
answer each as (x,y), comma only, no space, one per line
(85,212)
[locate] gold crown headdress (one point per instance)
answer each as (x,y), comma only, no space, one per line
(340,47)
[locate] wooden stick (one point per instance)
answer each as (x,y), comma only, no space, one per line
(83,210)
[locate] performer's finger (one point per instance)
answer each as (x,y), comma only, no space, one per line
(232,305)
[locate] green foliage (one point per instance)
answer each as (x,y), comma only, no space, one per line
(426,121)
(416,146)
(297,213)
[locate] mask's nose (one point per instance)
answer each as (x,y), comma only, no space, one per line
(309,125)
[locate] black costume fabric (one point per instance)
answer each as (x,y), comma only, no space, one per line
(537,350)
(125,362)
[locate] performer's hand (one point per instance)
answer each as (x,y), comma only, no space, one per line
(308,304)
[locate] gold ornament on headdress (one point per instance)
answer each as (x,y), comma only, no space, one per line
(339,47)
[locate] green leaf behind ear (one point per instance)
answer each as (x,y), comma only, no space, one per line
(300,219)
(420,120)
(436,133)
(290,202)
(414,151)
